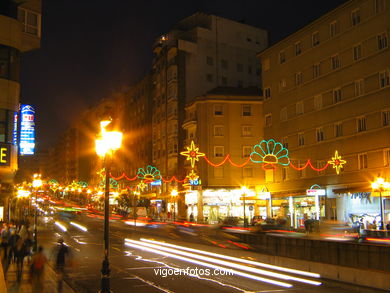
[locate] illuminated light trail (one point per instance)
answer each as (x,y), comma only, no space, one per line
(255,263)
(62,227)
(182,258)
(229,264)
(79,226)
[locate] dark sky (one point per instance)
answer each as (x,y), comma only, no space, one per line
(91,48)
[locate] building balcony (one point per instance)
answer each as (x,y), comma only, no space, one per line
(190,121)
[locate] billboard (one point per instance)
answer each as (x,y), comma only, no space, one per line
(27,130)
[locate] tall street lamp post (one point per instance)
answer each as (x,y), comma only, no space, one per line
(244,192)
(37,182)
(106,144)
(380,185)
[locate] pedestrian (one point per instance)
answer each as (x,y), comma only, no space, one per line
(388,226)
(37,270)
(62,255)
(191,217)
(20,253)
(5,234)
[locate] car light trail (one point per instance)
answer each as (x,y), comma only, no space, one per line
(229,264)
(62,227)
(79,226)
(182,258)
(255,263)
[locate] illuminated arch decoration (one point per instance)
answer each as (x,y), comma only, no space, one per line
(149,175)
(270,153)
(337,162)
(192,153)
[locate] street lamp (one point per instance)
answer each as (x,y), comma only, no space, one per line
(106,144)
(380,185)
(37,182)
(244,193)
(174,193)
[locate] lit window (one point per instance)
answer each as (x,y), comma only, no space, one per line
(218,110)
(246,130)
(246,151)
(336,95)
(361,124)
(359,87)
(384,79)
(246,110)
(218,130)
(382,41)
(219,151)
(357,52)
(355,17)
(362,161)
(386,157)
(298,49)
(338,129)
(315,39)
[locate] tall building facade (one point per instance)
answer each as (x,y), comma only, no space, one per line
(326,89)
(200,53)
(20,31)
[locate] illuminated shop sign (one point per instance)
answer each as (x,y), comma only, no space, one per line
(314,192)
(27,130)
(15,133)
(5,154)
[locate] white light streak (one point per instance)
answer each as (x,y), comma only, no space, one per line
(79,226)
(62,227)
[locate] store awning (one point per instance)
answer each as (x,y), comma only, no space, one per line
(352,189)
(284,194)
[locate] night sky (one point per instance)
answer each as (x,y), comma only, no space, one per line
(92,48)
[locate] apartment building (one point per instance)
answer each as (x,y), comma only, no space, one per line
(200,53)
(326,89)
(20,31)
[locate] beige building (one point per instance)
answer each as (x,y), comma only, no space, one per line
(224,122)
(327,88)
(200,53)
(20,31)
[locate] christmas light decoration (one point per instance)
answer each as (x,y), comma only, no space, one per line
(142,185)
(193,178)
(337,162)
(308,163)
(192,154)
(270,153)
(150,174)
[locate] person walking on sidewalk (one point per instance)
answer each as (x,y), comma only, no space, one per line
(37,270)
(62,255)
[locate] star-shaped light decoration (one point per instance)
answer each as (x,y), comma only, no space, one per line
(337,162)
(142,185)
(192,153)
(102,173)
(193,178)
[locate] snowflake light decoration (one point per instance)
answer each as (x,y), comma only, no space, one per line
(192,153)
(337,162)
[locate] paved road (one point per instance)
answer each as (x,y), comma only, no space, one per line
(141,266)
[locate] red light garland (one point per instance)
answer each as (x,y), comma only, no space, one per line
(308,163)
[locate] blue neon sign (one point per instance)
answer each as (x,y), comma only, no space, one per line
(27,130)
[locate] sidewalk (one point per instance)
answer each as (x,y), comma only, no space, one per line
(24,286)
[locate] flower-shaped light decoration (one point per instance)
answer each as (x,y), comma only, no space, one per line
(113,183)
(192,153)
(149,175)
(53,184)
(337,162)
(270,153)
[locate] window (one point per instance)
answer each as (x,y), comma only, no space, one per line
(224,81)
(316,70)
(361,124)
(382,41)
(218,110)
(267,93)
(299,108)
(282,57)
(359,87)
(338,129)
(209,77)
(336,95)
(317,102)
(284,174)
(379,6)
(319,134)
(219,151)
(334,28)
(246,151)
(224,64)
(298,49)
(209,60)
(362,161)
(285,142)
(218,172)
(282,84)
(9,63)
(357,52)
(301,139)
(268,120)
(384,79)
(298,78)
(240,67)
(247,172)
(246,130)
(320,166)
(246,110)
(266,64)
(355,16)
(386,118)
(335,61)
(31,21)
(386,157)
(218,130)
(315,39)
(302,172)
(6,125)
(283,114)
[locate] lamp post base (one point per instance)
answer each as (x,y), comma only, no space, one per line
(105,281)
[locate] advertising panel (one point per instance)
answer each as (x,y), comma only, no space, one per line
(27,130)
